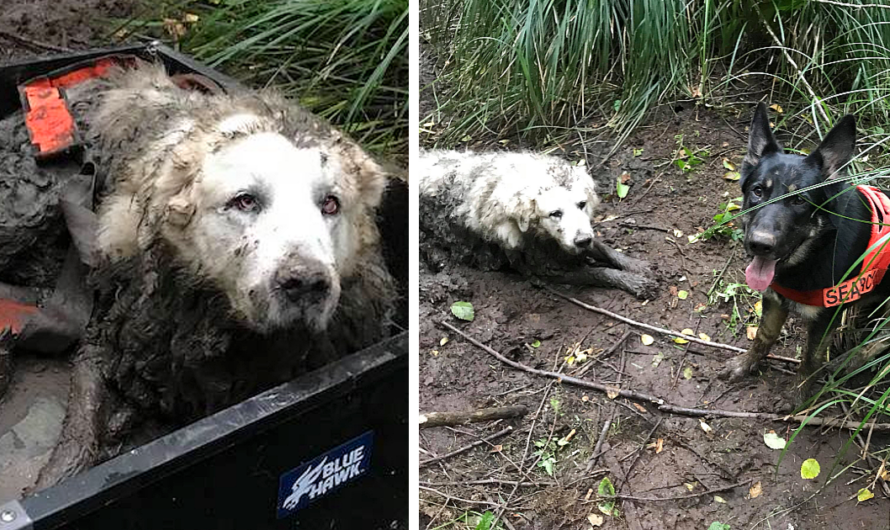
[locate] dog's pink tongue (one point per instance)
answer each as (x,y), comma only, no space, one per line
(759,273)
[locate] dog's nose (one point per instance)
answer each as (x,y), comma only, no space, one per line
(761,243)
(299,287)
(583,241)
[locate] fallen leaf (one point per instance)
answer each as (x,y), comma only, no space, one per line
(705,427)
(731,207)
(885,476)
(463,311)
(728,165)
(718,498)
(606,488)
(621,188)
(595,519)
(773,440)
(687,373)
(190,18)
(444,341)
(864,494)
(687,331)
(689,485)
(704,336)
(809,469)
(497,448)
(656,359)
(683,295)
(585,399)
(640,408)
(751,332)
(758,308)
(678,340)
(678,233)
(434,353)
(647,340)
(755,490)
(612,392)
(536,344)
(659,445)
(776,107)
(717,525)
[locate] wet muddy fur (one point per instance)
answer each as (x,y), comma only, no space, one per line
(799,246)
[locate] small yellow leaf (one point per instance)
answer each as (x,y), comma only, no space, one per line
(612,392)
(728,165)
(190,18)
(689,485)
(731,207)
(864,494)
(885,476)
(755,490)
(647,340)
(434,353)
(705,427)
(704,336)
(683,295)
(718,498)
(444,341)
(678,233)
(659,445)
(595,519)
(585,399)
(640,408)
(776,107)
(751,332)
(687,331)
(809,469)
(678,340)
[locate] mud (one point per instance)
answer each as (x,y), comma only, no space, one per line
(512,315)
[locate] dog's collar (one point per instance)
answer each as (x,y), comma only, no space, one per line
(874,265)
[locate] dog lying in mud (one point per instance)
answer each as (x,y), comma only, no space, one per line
(236,248)
(803,245)
(524,211)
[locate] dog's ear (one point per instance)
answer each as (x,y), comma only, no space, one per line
(761,141)
(525,216)
(837,148)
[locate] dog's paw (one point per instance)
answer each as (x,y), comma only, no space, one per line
(642,286)
(637,266)
(738,368)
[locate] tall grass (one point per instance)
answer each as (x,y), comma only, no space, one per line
(535,66)
(346,60)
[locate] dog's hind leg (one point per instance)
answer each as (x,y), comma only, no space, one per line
(820,332)
(78,446)
(602,253)
(636,284)
(774,316)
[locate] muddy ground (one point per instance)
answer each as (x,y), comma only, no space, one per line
(511,315)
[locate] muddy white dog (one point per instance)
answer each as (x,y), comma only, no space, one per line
(521,210)
(237,248)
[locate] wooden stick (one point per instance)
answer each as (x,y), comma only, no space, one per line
(440,419)
(679,497)
(664,406)
(662,331)
(467,447)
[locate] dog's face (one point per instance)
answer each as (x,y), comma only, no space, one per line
(275,225)
(565,213)
(779,232)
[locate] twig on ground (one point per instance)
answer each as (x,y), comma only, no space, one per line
(466,448)
(439,419)
(639,451)
(645,227)
(605,354)
(599,443)
(453,498)
(485,481)
(31,43)
(662,331)
(683,359)
(679,497)
(664,406)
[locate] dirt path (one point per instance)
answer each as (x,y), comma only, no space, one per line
(511,315)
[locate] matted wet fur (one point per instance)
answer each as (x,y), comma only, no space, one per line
(801,246)
(237,248)
(528,212)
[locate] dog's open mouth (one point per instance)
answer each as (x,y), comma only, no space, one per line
(759,274)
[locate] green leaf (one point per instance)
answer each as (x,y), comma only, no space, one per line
(463,311)
(864,494)
(638,152)
(687,372)
(809,469)
(621,189)
(682,295)
(554,404)
(485,521)
(773,440)
(733,176)
(606,489)
(617,105)
(717,525)
(536,344)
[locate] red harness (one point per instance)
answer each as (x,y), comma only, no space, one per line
(873,267)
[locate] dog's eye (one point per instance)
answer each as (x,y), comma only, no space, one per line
(556,215)
(330,206)
(244,202)
(757,191)
(581,205)
(798,200)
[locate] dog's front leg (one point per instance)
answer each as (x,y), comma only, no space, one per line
(820,332)
(78,446)
(602,253)
(774,316)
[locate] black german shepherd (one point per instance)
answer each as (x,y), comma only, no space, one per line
(803,245)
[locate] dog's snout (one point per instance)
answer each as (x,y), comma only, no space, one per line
(297,288)
(761,243)
(583,241)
